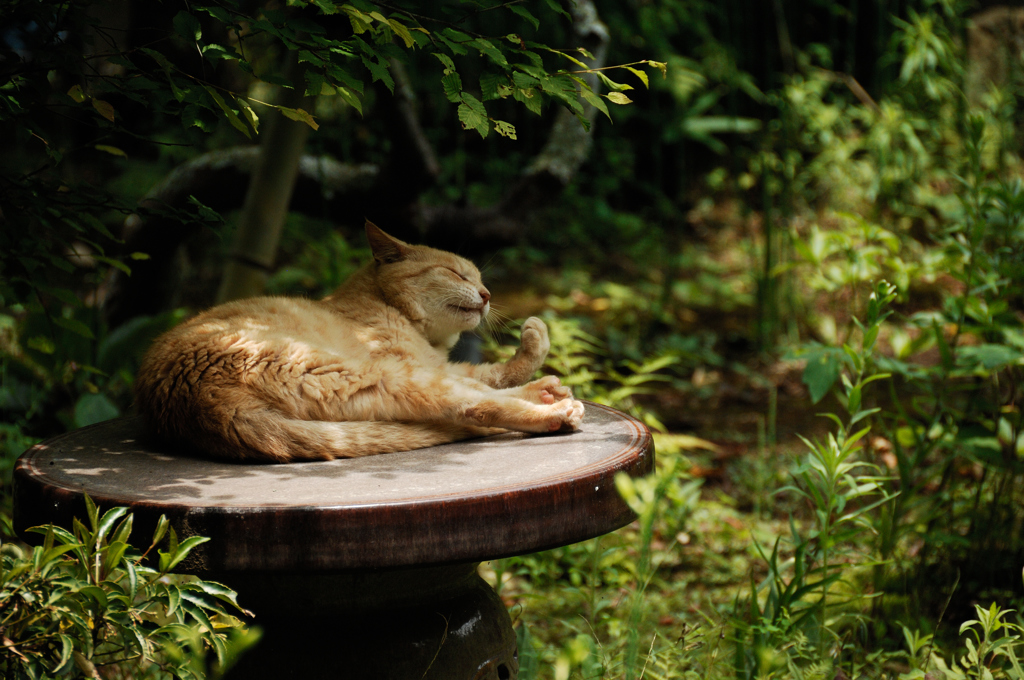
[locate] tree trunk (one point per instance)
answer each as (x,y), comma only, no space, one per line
(266,203)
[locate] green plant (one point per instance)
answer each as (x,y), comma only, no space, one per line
(85,603)
(993,650)
(959,412)
(53,376)
(808,606)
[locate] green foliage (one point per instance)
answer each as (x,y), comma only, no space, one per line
(909,508)
(994,650)
(53,372)
(85,603)
(842,492)
(752,200)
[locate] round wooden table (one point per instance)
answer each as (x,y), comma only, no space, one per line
(362,567)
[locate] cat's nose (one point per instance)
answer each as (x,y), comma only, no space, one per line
(484,295)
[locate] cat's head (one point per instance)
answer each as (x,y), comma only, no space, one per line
(440,291)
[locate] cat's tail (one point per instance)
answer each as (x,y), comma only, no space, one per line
(271,436)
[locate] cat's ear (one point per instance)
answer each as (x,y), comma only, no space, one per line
(386,249)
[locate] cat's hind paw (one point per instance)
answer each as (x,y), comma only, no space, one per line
(569,416)
(546,390)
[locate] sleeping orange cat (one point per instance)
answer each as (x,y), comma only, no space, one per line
(363,371)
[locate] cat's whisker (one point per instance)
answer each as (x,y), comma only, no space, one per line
(486,267)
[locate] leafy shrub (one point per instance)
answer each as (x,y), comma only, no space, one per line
(87,604)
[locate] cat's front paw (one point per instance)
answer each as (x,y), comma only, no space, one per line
(568,416)
(534,343)
(533,350)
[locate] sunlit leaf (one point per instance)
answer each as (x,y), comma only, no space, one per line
(505,129)
(187,26)
(112,150)
(299,115)
(639,74)
(232,117)
(104,109)
(473,115)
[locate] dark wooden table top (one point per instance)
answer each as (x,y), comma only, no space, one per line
(470,501)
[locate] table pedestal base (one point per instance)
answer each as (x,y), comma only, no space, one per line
(442,623)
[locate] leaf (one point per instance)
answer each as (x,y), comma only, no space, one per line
(379,72)
(486,47)
(446,61)
(309,57)
(326,6)
(455,47)
(216,53)
(683,442)
(556,6)
(708,125)
(612,85)
(109,517)
(529,98)
(116,264)
(618,98)
(41,343)
(104,109)
(822,371)
(945,353)
(133,579)
(473,115)
(94,408)
(187,26)
(250,115)
(124,530)
(299,115)
(351,99)
(112,150)
(170,559)
(661,66)
(76,93)
(505,129)
(61,534)
(221,592)
(66,648)
(451,83)
(75,326)
(161,529)
(92,513)
(160,59)
(232,117)
(989,356)
(317,84)
(115,551)
(402,32)
(494,86)
(198,615)
(361,22)
(639,74)
(594,100)
(525,13)
(173,600)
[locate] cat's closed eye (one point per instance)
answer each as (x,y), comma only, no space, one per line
(461,276)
